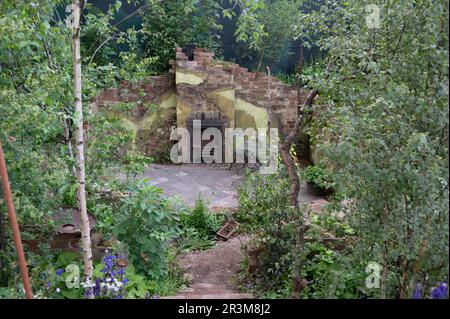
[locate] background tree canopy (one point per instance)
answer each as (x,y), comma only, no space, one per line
(167,24)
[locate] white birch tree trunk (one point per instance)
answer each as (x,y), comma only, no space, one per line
(85,228)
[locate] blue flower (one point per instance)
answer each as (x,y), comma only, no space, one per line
(97,287)
(417,292)
(59,272)
(440,292)
(88,292)
(108,261)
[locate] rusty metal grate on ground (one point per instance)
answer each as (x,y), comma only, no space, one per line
(228,229)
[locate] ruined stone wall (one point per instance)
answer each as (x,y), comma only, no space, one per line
(204,90)
(219,93)
(152,112)
(208,89)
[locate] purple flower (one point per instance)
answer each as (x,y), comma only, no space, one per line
(59,272)
(440,291)
(417,292)
(108,261)
(97,287)
(88,292)
(110,284)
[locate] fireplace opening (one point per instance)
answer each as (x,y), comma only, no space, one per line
(198,154)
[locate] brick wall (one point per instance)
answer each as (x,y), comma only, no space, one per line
(151,126)
(146,91)
(205,89)
(258,89)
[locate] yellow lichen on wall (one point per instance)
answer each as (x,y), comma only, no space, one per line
(129,125)
(151,121)
(259,114)
(183,112)
(244,120)
(228,94)
(169,102)
(189,78)
(224,99)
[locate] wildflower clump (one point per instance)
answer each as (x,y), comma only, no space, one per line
(111,285)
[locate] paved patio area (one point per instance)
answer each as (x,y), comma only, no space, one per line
(215,183)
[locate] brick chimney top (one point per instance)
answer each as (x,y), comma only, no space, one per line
(189,50)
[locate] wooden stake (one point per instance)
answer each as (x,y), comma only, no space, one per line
(14,225)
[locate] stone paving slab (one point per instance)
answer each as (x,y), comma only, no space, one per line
(215,183)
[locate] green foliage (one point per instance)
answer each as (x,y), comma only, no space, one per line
(147,223)
(383,128)
(385,131)
(259,196)
(274,229)
(34,94)
(323,264)
(290,79)
(50,271)
(266,28)
(36,107)
(317,175)
(171,24)
(48,276)
(265,213)
(99,40)
(140,287)
(198,227)
(200,218)
(302,78)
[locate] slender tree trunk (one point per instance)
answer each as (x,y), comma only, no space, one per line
(299,282)
(286,146)
(261,56)
(299,68)
(69,143)
(292,173)
(85,229)
(384,274)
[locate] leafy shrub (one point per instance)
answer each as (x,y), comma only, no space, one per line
(265,213)
(205,222)
(318,176)
(259,196)
(198,227)
(147,223)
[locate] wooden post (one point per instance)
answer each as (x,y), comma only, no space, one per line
(14,225)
